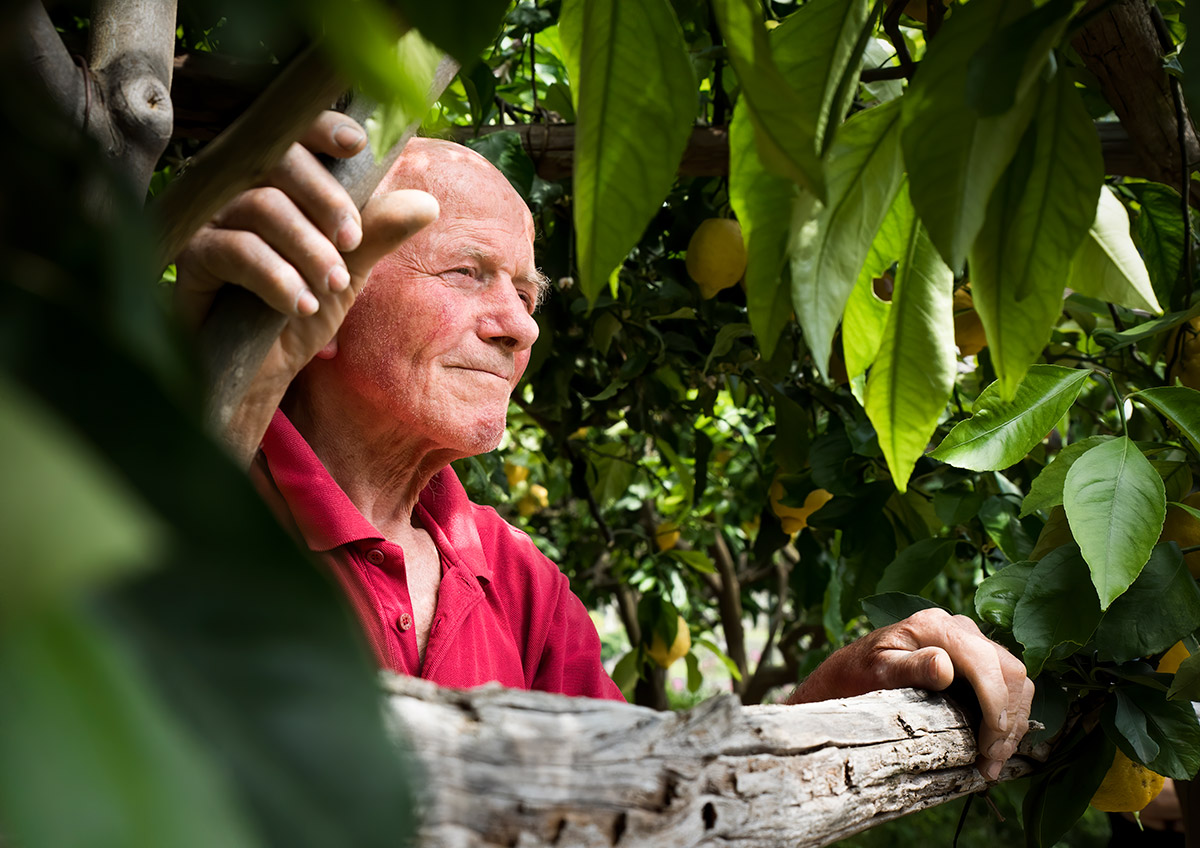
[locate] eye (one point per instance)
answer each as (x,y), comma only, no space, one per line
(464,271)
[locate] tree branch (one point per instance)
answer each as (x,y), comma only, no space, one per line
(506,767)
(43,51)
(729,601)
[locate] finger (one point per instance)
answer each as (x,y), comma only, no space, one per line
(925,668)
(244,259)
(271,214)
(302,177)
(389,219)
(334,134)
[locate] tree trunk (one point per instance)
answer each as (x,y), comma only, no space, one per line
(511,768)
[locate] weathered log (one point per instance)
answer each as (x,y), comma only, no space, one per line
(509,768)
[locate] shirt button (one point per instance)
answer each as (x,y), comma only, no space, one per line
(404,621)
(375,556)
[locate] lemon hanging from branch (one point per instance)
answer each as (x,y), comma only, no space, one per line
(716,255)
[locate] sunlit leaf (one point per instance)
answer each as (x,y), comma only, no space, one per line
(1108,266)
(1046,490)
(954,156)
(827,254)
(913,373)
(1179,404)
(1160,608)
(1115,503)
(634,71)
(1037,216)
(768,207)
(785,128)
(462,28)
(999,433)
(1056,608)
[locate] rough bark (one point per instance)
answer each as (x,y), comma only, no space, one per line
(1122,49)
(509,768)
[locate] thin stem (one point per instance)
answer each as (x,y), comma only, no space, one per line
(1117,398)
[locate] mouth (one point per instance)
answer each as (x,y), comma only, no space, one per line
(506,376)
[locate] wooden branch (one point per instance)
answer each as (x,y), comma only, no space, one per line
(504,767)
(1120,47)
(44,53)
(131,46)
(729,601)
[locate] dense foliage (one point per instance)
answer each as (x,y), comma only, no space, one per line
(1011,455)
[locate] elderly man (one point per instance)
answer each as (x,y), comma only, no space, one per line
(410,327)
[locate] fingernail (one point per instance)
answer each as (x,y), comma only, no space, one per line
(349,235)
(347,136)
(339,279)
(1002,722)
(992,770)
(306,304)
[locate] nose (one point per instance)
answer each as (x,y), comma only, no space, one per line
(507,321)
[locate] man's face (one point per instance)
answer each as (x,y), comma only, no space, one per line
(441,335)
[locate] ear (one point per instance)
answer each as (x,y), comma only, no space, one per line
(330,350)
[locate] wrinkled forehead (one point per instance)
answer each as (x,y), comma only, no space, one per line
(465,184)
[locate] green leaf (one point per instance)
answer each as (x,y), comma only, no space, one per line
(890,607)
(881,54)
(913,373)
(1000,70)
(1056,609)
(768,207)
(1160,608)
(625,674)
(1189,58)
(1186,685)
(695,560)
(729,664)
(506,151)
(785,125)
(462,28)
(687,482)
(1108,266)
(634,71)
(818,49)
(1000,433)
(1056,800)
(1179,404)
(1036,219)
(81,727)
(1115,503)
(915,566)
(998,515)
(864,172)
(1046,491)
(609,472)
(1159,228)
(52,480)
(954,156)
(997,596)
(398,78)
(1143,719)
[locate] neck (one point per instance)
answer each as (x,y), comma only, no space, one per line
(382,472)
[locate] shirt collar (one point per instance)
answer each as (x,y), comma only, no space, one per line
(327,519)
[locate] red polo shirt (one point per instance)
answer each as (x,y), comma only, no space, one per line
(504,612)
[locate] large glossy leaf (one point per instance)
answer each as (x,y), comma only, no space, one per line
(997,596)
(634,72)
(1037,216)
(999,433)
(1159,228)
(954,156)
(1055,609)
(1046,490)
(913,373)
(1108,265)
(1180,405)
(1160,608)
(915,566)
(767,206)
(1115,502)
(1143,721)
(864,173)
(819,49)
(865,316)
(785,126)
(89,756)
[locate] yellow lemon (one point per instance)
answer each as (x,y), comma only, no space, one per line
(1173,658)
(1184,530)
(1127,787)
(535,501)
(716,255)
(794,519)
(515,473)
(664,656)
(666,535)
(968,326)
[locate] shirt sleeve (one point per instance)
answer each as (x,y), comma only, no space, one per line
(570,660)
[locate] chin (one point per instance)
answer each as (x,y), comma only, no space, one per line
(482,437)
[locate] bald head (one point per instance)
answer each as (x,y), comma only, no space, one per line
(457,176)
